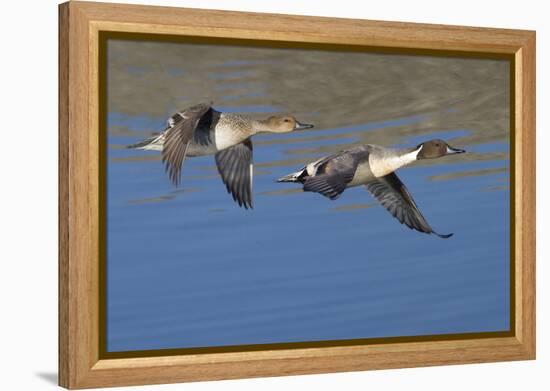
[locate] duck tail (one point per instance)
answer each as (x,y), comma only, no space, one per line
(297,176)
(152,143)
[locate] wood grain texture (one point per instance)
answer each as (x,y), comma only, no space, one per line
(80,365)
(63,185)
(526,213)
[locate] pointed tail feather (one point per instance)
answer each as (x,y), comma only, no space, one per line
(152,143)
(294,177)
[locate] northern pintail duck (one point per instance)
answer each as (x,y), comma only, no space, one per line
(373,166)
(200,130)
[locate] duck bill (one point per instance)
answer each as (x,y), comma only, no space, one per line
(453,151)
(301,126)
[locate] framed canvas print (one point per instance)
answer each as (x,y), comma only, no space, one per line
(247,195)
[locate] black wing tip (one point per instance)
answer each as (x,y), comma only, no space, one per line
(175,181)
(442,236)
(173,177)
(246,204)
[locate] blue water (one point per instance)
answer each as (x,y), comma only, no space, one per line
(188,268)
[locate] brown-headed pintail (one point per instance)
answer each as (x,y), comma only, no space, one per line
(201,130)
(373,166)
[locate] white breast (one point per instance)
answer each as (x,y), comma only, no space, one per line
(224,137)
(382,165)
(363,174)
(228,133)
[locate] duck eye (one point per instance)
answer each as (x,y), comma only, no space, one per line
(286,120)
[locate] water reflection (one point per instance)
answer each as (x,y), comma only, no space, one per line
(462,174)
(352,207)
(166,197)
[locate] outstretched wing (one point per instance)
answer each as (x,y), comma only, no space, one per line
(394,196)
(181,130)
(329,185)
(235,167)
(334,173)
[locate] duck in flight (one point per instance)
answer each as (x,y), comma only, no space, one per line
(374,167)
(201,130)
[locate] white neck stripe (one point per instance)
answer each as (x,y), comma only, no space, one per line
(387,165)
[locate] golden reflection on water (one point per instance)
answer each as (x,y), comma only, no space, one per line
(352,207)
(464,174)
(333,90)
(282,191)
(167,197)
(296,268)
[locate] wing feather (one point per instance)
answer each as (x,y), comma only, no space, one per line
(178,137)
(395,197)
(235,167)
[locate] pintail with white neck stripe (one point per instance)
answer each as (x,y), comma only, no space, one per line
(201,130)
(374,167)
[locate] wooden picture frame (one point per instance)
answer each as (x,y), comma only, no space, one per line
(81,363)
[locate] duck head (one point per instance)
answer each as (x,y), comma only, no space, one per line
(435,148)
(283,124)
